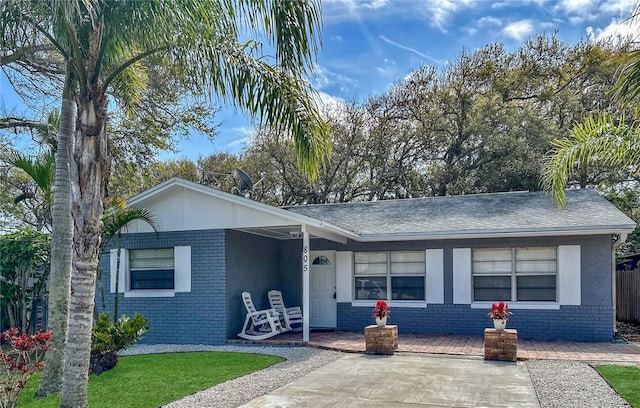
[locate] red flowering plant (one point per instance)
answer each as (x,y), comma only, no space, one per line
(381,309)
(500,311)
(20,357)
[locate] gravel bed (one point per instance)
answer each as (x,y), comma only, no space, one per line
(234,393)
(566,384)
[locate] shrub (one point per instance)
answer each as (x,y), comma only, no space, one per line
(109,338)
(20,359)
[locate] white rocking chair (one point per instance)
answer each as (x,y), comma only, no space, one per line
(290,317)
(259,324)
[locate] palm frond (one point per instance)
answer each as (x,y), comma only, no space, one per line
(273,97)
(598,142)
(40,169)
(118,215)
(628,85)
(129,87)
(292,26)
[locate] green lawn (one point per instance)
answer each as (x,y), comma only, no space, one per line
(625,380)
(156,379)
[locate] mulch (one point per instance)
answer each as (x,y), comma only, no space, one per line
(630,331)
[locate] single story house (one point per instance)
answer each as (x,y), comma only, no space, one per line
(440,262)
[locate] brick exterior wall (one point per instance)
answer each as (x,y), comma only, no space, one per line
(196,317)
(577,323)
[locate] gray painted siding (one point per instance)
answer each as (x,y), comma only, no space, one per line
(253,266)
(197,317)
(591,321)
(291,271)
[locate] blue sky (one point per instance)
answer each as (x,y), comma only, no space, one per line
(370,44)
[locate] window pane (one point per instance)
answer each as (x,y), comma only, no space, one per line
(537,288)
(321,260)
(151,258)
(535,267)
(408,268)
(536,260)
(491,288)
(156,279)
(371,269)
(371,257)
(407,288)
(492,254)
(496,267)
(406,256)
(491,261)
(371,288)
(534,254)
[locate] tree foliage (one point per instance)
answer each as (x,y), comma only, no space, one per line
(24,270)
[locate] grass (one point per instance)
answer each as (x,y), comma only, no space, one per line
(156,379)
(625,380)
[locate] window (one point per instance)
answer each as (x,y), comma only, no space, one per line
(151,269)
(515,274)
(390,275)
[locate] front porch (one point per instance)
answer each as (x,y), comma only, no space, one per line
(353,342)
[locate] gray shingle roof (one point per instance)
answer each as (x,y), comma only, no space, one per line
(518,212)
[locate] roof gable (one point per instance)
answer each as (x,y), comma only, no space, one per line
(180,205)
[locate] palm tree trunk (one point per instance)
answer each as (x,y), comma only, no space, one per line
(89,175)
(61,243)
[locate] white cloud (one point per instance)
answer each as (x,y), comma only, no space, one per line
(487,21)
(518,30)
(376,4)
(388,68)
(615,30)
(326,101)
(337,38)
(323,78)
(575,6)
(622,8)
(440,12)
(413,50)
(244,135)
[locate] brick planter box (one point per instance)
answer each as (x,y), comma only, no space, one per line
(381,340)
(501,345)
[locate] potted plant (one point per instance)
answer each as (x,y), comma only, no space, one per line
(500,314)
(381,312)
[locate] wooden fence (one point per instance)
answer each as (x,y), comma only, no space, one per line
(628,295)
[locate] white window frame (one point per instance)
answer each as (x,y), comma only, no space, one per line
(181,274)
(514,278)
(389,275)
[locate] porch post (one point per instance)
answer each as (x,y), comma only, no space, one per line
(305,284)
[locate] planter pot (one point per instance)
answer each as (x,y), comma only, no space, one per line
(499,324)
(381,321)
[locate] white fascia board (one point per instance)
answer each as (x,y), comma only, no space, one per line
(327,234)
(140,197)
(494,234)
(295,218)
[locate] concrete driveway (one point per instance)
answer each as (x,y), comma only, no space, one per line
(407,380)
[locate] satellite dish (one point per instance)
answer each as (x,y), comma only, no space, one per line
(246,182)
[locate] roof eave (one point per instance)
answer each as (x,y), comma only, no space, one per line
(513,233)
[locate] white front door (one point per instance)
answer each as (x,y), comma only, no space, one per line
(322,292)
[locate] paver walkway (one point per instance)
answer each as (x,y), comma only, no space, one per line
(467,346)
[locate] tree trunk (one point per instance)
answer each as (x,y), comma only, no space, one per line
(61,244)
(89,175)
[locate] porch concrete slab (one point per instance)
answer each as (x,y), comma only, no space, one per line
(407,380)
